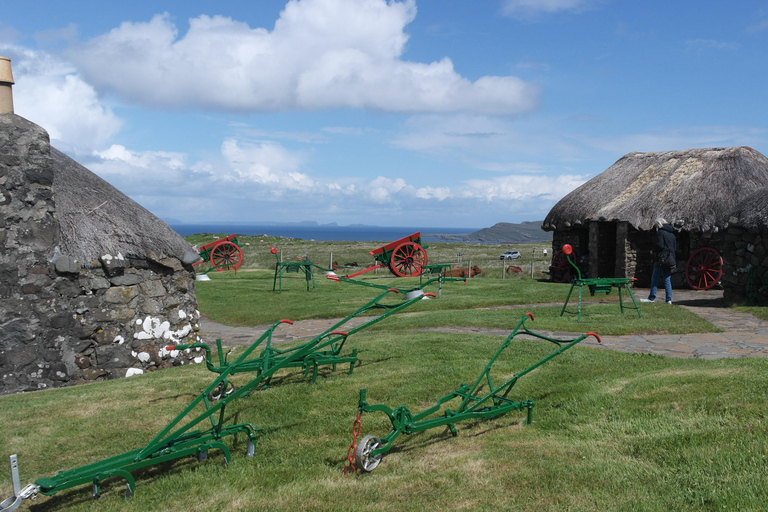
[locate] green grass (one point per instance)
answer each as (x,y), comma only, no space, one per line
(247,299)
(760,312)
(611,431)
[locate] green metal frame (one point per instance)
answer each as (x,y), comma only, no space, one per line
(282,267)
(599,285)
(474,404)
(179,439)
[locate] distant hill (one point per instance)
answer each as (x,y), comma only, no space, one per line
(506,232)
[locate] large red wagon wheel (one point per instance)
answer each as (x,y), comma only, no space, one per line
(226,256)
(408,259)
(560,269)
(704,269)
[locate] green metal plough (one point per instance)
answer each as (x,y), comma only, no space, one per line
(183,436)
(473,403)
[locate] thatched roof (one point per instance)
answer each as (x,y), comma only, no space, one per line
(752,212)
(695,189)
(96,219)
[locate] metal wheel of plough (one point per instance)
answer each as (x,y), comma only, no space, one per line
(704,269)
(363,459)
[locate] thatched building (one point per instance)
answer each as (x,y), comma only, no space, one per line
(92,285)
(608,219)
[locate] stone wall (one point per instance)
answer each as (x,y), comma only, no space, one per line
(745,257)
(63,321)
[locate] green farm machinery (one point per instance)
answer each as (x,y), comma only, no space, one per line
(485,399)
(597,285)
(202,426)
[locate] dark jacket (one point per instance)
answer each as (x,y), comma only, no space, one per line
(665,238)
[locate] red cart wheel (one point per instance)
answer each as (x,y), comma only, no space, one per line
(226,256)
(560,269)
(704,269)
(408,259)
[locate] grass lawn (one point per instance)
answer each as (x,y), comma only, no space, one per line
(611,431)
(247,299)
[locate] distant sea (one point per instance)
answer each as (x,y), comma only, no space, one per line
(323,233)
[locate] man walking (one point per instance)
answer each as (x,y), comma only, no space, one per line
(664,249)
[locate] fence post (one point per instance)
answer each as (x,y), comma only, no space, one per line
(469,269)
(503,270)
(330,265)
(531,270)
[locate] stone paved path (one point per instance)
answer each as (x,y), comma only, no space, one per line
(744,336)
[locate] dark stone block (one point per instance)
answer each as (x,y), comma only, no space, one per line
(61,321)
(113,356)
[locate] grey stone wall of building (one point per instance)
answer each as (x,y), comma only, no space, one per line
(745,262)
(64,321)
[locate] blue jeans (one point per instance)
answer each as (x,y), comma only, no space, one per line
(666,273)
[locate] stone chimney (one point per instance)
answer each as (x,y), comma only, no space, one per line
(6,83)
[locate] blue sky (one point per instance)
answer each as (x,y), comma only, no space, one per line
(450,113)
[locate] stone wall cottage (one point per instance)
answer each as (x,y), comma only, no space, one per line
(608,220)
(92,285)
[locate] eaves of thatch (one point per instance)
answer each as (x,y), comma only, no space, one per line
(752,212)
(96,219)
(694,189)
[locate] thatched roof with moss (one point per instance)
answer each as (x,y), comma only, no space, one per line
(96,219)
(694,189)
(752,212)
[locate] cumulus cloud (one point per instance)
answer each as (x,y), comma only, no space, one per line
(321,54)
(51,93)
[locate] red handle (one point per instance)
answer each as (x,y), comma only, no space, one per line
(339,333)
(170,347)
(530,315)
(286,321)
(595,335)
(430,295)
(393,290)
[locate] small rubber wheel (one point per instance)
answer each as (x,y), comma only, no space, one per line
(363,459)
(222,390)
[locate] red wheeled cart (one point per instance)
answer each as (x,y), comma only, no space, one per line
(223,254)
(405,257)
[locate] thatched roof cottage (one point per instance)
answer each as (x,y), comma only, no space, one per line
(608,219)
(92,285)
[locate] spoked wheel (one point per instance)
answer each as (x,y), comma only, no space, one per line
(222,390)
(408,259)
(704,269)
(226,256)
(560,269)
(363,459)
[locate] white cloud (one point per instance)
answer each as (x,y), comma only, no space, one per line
(265,163)
(322,54)
(530,9)
(50,93)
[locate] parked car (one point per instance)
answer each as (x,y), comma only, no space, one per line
(510,255)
